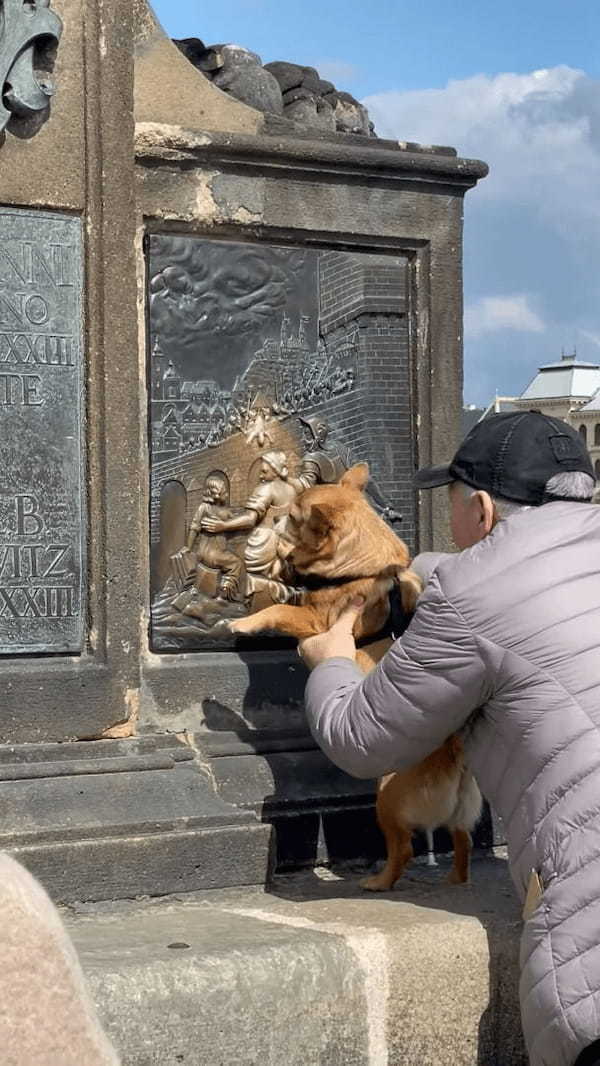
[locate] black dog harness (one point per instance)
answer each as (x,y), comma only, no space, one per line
(398,619)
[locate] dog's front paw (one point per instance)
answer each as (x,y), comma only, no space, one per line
(221,629)
(241,625)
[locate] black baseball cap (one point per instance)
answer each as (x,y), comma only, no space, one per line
(513,455)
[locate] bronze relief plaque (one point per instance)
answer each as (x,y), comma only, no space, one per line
(271,369)
(41,416)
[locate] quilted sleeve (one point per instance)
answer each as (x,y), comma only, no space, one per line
(424,689)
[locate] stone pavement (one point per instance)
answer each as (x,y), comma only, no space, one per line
(312,972)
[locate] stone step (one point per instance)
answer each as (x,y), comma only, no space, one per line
(313,972)
(117,819)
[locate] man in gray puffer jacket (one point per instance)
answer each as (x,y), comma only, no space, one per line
(504,645)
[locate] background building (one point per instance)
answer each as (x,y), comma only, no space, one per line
(588,424)
(568,389)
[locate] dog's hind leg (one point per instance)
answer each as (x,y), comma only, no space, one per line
(464,818)
(399,853)
(398,839)
(459,874)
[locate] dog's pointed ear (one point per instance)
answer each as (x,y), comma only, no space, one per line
(357,477)
(321,518)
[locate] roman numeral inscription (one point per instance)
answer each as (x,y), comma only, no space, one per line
(44,601)
(42,544)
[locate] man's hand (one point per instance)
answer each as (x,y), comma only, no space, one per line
(336,642)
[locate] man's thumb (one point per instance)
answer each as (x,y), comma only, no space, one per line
(350,614)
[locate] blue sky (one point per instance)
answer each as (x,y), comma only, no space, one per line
(514,83)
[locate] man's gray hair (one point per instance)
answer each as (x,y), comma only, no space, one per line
(572,485)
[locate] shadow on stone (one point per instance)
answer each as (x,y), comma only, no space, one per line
(264,758)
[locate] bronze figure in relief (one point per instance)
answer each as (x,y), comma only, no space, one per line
(209,547)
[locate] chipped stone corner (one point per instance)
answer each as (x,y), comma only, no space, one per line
(127,728)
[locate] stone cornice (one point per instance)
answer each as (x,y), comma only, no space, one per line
(158,145)
(554,401)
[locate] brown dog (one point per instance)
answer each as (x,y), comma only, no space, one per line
(342,549)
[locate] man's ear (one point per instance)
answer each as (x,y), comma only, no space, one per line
(486,513)
(357,477)
(321,518)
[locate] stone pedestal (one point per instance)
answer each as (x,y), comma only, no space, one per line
(126,768)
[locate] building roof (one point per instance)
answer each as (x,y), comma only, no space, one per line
(471,414)
(500,404)
(593,404)
(469,418)
(497,406)
(570,377)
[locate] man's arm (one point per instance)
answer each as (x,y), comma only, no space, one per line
(308,476)
(255,509)
(195,525)
(423,690)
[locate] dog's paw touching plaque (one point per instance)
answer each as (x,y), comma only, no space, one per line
(238,625)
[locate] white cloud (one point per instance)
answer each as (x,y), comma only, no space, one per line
(533,225)
(540,133)
(492,313)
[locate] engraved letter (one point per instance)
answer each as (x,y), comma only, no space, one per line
(29,522)
(31,382)
(6,600)
(36,309)
(61,550)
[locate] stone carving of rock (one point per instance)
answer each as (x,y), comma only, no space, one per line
(196,51)
(312,112)
(297,92)
(326,87)
(350,116)
(242,75)
(302,87)
(288,75)
(311,79)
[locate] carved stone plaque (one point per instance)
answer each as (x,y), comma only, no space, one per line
(41,413)
(271,369)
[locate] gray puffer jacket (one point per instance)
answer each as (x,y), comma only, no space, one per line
(505,644)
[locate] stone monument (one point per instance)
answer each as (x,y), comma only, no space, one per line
(205,307)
